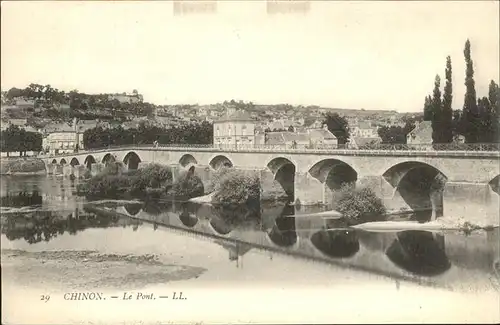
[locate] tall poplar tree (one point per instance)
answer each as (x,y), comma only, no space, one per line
(494,99)
(428,108)
(470,114)
(436,111)
(447,112)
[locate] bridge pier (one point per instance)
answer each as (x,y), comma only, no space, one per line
(96,168)
(57,169)
(476,202)
(308,190)
(49,168)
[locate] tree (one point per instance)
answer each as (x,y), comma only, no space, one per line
(338,126)
(470,116)
(396,134)
(428,108)
(494,99)
(436,111)
(291,128)
(486,130)
(447,111)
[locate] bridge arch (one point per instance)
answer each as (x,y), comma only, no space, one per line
(333,174)
(187,159)
(74,162)
(336,243)
(89,160)
(283,171)
(63,161)
(108,158)
(220,161)
(419,185)
(54,161)
(132,160)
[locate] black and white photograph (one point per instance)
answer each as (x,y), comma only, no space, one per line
(253,161)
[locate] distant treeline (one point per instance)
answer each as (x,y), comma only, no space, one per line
(15,139)
(196,133)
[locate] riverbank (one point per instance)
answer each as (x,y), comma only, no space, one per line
(22,166)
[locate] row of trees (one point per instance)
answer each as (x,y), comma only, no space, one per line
(478,121)
(196,133)
(16,139)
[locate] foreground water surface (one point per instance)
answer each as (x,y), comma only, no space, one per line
(274,267)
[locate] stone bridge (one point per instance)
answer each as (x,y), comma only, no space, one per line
(456,183)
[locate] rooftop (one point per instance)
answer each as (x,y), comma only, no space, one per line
(238,116)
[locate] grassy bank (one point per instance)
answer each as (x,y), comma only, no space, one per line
(20,166)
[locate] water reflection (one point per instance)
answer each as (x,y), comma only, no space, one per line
(22,199)
(419,252)
(336,243)
(273,228)
(38,226)
(283,232)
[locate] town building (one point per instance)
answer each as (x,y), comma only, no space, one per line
(306,138)
(133,98)
(421,135)
(236,128)
(64,138)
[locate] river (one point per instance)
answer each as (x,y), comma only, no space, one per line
(276,267)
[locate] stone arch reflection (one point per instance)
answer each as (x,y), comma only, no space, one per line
(336,243)
(495,184)
(133,209)
(419,252)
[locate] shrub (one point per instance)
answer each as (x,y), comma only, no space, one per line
(113,168)
(236,187)
(358,205)
(215,179)
(156,175)
(187,186)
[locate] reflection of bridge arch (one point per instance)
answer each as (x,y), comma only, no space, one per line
(63,161)
(283,233)
(284,173)
(133,209)
(419,252)
(220,161)
(189,220)
(132,160)
(74,162)
(108,158)
(89,160)
(333,173)
(495,184)
(187,159)
(419,184)
(336,243)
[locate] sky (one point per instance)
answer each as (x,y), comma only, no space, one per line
(371,55)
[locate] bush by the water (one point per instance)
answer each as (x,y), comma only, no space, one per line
(233,187)
(187,186)
(358,205)
(151,181)
(113,180)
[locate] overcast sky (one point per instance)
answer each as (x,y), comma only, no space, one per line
(372,55)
